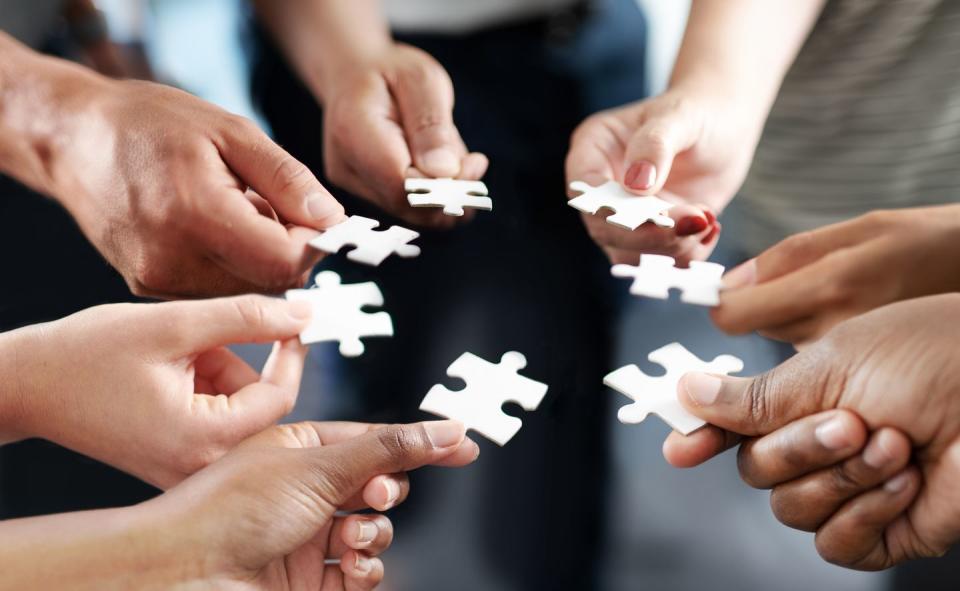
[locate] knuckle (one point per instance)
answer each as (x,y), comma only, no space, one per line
(797,245)
(291,175)
(302,433)
(399,440)
(758,397)
(747,467)
(840,482)
(249,311)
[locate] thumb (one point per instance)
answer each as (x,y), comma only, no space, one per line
(652,148)
(185,328)
(758,405)
(286,183)
(426,111)
(344,468)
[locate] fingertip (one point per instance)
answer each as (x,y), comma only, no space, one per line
(640,176)
(440,162)
(444,435)
(743,275)
(361,569)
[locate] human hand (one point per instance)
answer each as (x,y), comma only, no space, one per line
(151,388)
(183,198)
(264,514)
(390,118)
(682,148)
(800,288)
(896,368)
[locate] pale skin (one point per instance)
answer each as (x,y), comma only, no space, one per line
(264,517)
(181,197)
(858,435)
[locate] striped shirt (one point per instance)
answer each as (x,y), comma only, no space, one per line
(868,118)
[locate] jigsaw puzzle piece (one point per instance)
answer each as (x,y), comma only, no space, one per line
(479,406)
(338,315)
(630,211)
(450,194)
(371,247)
(699,284)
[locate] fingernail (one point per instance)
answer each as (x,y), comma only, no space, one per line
(441,162)
(742,275)
(300,309)
(690,225)
(876,454)
(444,433)
(640,176)
(897,483)
(362,564)
(321,206)
(832,434)
(703,389)
(366,532)
(393,491)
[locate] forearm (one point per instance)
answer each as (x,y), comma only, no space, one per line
(15,349)
(740,50)
(42,101)
(325,39)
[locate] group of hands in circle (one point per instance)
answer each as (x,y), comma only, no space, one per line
(857,436)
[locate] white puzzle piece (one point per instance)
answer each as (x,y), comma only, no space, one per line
(450,194)
(372,246)
(489,386)
(699,284)
(658,395)
(338,314)
(631,211)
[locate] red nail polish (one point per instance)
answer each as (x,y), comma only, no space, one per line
(691,225)
(640,176)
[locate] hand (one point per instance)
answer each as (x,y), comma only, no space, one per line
(185,199)
(800,288)
(684,149)
(264,517)
(151,388)
(895,367)
(391,118)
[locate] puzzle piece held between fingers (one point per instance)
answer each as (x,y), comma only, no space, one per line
(658,395)
(338,314)
(372,246)
(489,386)
(450,194)
(631,211)
(656,274)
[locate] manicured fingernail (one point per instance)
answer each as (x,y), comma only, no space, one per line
(897,483)
(300,309)
(393,491)
(690,225)
(321,206)
(444,433)
(441,162)
(703,389)
(741,276)
(362,564)
(640,176)
(832,434)
(876,454)
(366,532)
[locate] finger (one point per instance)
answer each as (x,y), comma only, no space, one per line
(287,184)
(807,502)
(758,405)
(424,95)
(370,533)
(801,447)
(344,468)
(360,572)
(855,536)
(386,491)
(224,371)
(284,366)
(687,451)
(185,328)
(652,148)
(474,166)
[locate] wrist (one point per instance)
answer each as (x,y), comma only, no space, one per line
(18,363)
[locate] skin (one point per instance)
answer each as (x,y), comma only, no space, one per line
(264,517)
(388,107)
(799,289)
(693,144)
(889,378)
(181,197)
(160,375)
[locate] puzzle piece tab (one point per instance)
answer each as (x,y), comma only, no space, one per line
(489,386)
(372,246)
(450,194)
(658,395)
(338,314)
(630,210)
(656,274)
